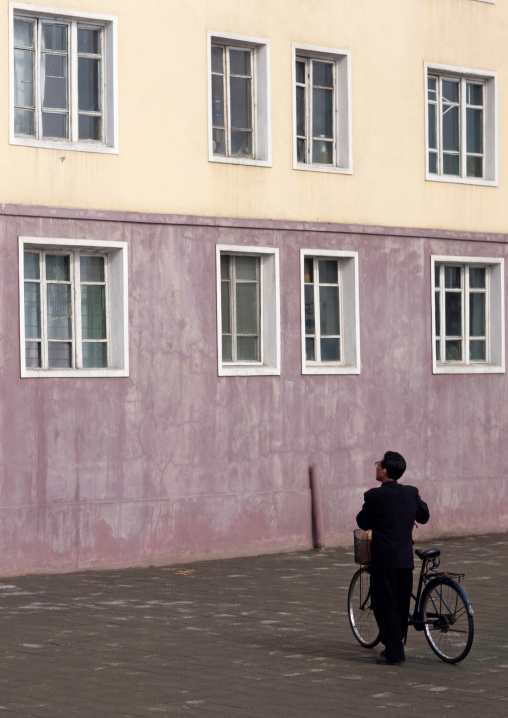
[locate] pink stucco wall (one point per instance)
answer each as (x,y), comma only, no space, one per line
(175,462)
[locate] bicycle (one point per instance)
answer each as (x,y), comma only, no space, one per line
(441,608)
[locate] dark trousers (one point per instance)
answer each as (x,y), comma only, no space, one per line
(391,594)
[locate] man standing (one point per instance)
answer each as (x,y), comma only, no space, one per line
(391,511)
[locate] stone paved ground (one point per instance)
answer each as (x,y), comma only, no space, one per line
(249,637)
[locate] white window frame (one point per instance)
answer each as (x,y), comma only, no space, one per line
(343,145)
(269,364)
(495,317)
(349,313)
(262,141)
(117,304)
(109,23)
(490,149)
(492,2)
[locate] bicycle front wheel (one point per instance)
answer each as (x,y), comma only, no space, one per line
(361,616)
(448,619)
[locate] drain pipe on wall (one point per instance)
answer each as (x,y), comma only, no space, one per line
(318,529)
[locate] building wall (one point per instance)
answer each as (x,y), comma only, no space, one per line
(174,462)
(163,162)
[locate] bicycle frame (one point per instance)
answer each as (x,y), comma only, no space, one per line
(425,577)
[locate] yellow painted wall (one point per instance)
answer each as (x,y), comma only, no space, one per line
(163,161)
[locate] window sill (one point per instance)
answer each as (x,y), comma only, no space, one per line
(248,370)
(240,161)
(65,145)
(462,180)
(330,369)
(72,373)
(467,369)
(323,168)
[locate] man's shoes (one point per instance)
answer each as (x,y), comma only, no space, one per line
(383,660)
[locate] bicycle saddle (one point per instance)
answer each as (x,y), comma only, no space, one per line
(429,553)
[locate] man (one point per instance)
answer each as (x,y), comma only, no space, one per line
(391,511)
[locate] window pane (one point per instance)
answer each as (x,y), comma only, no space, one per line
(54,82)
(217,59)
(322,152)
(246,308)
(453,314)
(330,349)
(474,121)
(24,122)
(301,152)
(225,308)
(322,113)
(239,62)
(59,355)
(477,314)
(241,104)
(54,37)
(477,350)
(89,84)
(89,40)
(23,78)
(217,100)
(33,354)
(432,127)
(328,271)
(59,311)
(477,277)
(227,350)
(241,143)
(300,71)
(94,355)
(474,166)
(90,127)
(23,33)
(452,277)
(247,267)
(54,125)
(300,111)
(450,89)
(450,164)
(31,268)
(329,310)
(453,350)
(308,270)
(219,142)
(438,350)
(310,354)
(93,311)
(310,323)
(431,85)
(247,349)
(224,266)
(322,74)
(451,128)
(437,314)
(433,163)
(32,310)
(91,269)
(436,275)
(57,267)
(474,94)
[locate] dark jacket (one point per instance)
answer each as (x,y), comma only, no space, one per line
(391,511)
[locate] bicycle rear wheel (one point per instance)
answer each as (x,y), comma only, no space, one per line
(448,619)
(361,616)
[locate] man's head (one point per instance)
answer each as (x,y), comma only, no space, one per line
(393,464)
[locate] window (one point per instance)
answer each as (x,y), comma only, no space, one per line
(330,319)
(248,314)
(461,125)
(239,99)
(322,109)
(73,300)
(468,314)
(63,86)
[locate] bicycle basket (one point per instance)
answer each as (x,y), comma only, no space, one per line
(362,545)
